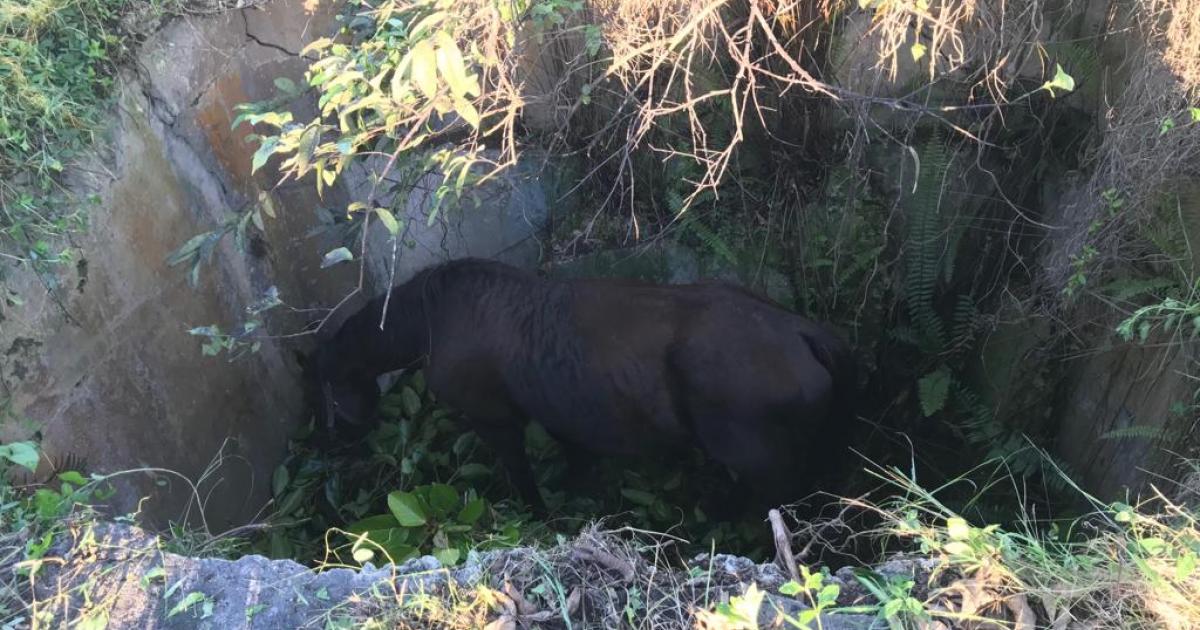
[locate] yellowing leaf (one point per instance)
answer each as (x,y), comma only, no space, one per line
(424,68)
(1061,81)
(918,50)
(957,528)
(451,65)
(957,548)
(336,256)
(318,44)
(467,112)
(389,220)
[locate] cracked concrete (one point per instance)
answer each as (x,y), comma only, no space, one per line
(116,380)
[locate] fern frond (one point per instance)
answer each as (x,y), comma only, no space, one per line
(1141,432)
(925,243)
(711,240)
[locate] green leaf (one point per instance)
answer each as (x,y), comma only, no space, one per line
(279,480)
(189,600)
(157,573)
(474,470)
(307,147)
(389,220)
(286,85)
(1185,565)
(1195,113)
(1166,126)
(406,507)
(188,249)
(410,401)
(1061,81)
(72,477)
(448,556)
(471,512)
(791,588)
(373,523)
(932,391)
(443,499)
(265,150)
(336,256)
(424,68)
(1153,545)
(638,497)
(23,454)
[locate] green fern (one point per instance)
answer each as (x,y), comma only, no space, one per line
(1141,432)
(1000,440)
(925,244)
(1128,288)
(964,324)
(710,239)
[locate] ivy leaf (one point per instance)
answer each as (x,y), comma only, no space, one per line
(1061,81)
(406,507)
(336,256)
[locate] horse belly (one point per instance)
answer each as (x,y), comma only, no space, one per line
(609,429)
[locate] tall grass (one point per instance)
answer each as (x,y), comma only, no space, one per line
(1119,566)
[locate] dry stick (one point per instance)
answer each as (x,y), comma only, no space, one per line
(783,544)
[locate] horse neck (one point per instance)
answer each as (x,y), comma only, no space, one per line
(363,345)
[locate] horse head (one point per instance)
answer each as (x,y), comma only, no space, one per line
(348,395)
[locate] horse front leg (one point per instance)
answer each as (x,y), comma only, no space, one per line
(508,440)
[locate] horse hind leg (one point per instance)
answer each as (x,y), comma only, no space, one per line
(760,451)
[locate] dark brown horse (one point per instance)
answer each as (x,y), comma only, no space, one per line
(612,367)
